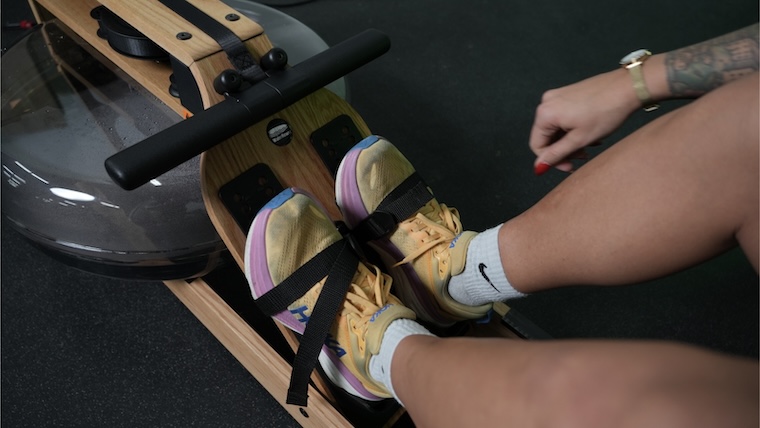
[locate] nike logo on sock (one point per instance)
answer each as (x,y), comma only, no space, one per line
(482,268)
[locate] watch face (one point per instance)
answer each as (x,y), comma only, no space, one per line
(633,56)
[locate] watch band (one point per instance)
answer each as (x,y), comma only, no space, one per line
(641,89)
(634,67)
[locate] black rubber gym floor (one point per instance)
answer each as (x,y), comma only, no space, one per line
(457,94)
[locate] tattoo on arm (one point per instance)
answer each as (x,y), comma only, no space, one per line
(697,69)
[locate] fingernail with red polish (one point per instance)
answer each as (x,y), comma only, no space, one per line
(541,168)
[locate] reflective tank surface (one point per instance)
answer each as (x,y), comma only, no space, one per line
(65,110)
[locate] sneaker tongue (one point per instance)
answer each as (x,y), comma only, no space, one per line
(458,251)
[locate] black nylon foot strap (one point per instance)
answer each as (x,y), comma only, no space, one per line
(338,262)
(406,199)
(236,51)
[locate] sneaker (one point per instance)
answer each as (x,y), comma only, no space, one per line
(288,232)
(424,250)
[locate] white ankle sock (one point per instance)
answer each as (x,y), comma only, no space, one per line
(483,280)
(380,364)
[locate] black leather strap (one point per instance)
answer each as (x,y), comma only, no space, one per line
(406,199)
(238,54)
(299,282)
(338,262)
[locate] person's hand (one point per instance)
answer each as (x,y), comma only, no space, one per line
(578,115)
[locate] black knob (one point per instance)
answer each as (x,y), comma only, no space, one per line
(275,59)
(227,82)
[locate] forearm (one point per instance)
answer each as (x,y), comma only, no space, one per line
(694,70)
(574,116)
(700,68)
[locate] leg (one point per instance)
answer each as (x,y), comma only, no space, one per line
(497,382)
(677,192)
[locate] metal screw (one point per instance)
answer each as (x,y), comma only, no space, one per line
(232,17)
(184,36)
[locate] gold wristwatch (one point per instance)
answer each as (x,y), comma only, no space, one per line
(634,62)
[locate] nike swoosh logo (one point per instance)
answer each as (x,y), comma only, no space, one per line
(482,268)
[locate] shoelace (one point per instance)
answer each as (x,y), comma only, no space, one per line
(437,223)
(365,297)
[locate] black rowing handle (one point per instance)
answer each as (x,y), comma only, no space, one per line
(159,153)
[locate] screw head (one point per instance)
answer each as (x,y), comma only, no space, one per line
(184,36)
(232,17)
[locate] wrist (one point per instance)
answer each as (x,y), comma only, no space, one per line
(624,93)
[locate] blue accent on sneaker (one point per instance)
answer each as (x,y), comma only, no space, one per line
(485,319)
(363,144)
(334,346)
(278,200)
(300,314)
(380,311)
(454,241)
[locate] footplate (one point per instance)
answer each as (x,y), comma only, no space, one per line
(333,140)
(245,195)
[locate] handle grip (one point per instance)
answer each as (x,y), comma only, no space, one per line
(146,160)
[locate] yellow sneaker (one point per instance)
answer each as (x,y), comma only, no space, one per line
(303,273)
(423,247)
